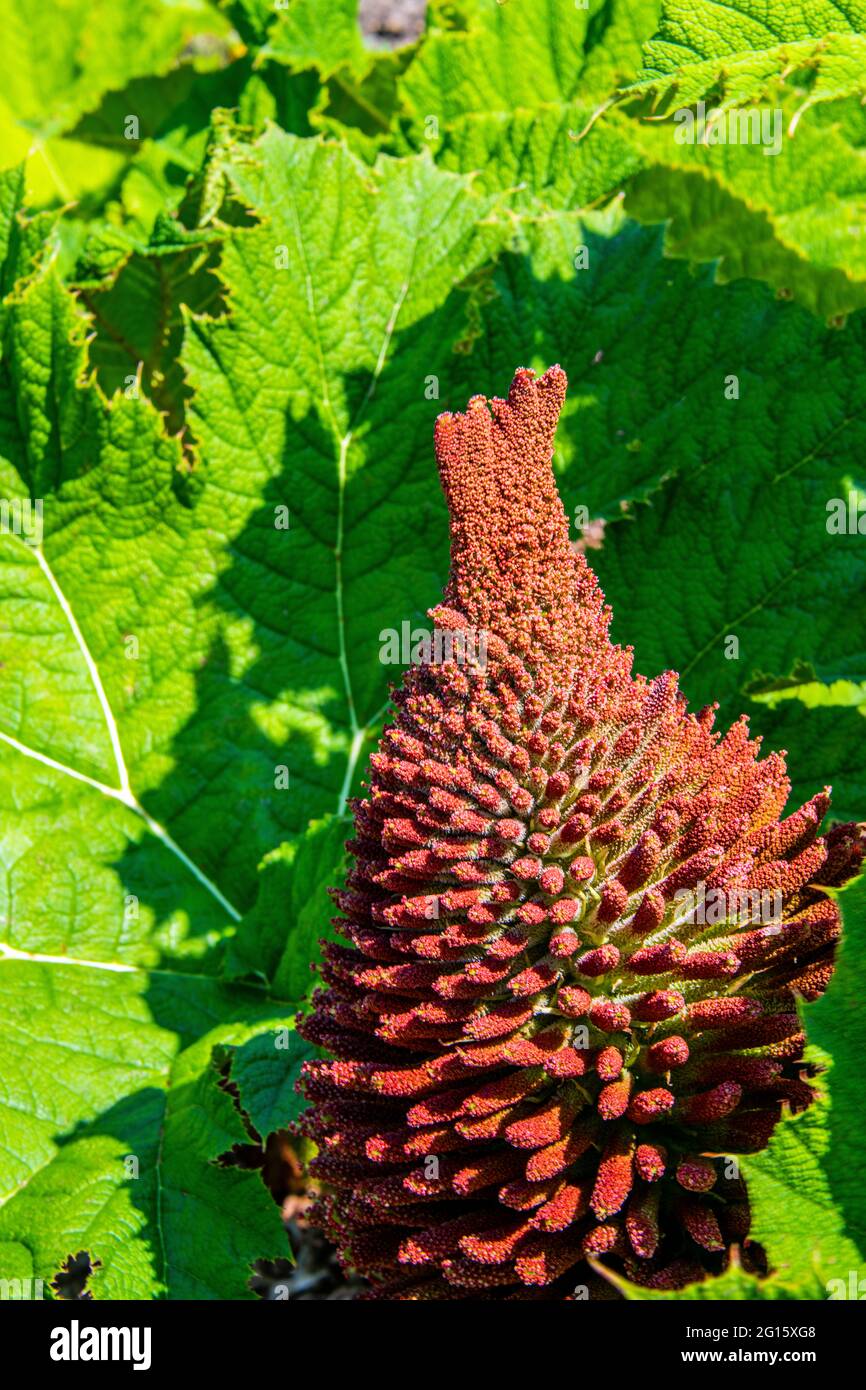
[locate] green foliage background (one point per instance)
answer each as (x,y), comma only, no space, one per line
(237,302)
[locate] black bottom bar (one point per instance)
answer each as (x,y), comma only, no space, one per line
(641,1338)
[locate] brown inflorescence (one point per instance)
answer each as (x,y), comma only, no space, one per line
(563,999)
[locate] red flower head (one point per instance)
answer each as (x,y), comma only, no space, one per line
(576,932)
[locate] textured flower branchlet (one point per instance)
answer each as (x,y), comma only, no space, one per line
(541,1055)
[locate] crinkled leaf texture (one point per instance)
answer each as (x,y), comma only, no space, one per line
(769,193)
(113,1116)
(737,49)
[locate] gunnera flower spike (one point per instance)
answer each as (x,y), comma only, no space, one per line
(562,1001)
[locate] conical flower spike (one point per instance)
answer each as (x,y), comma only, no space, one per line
(542,1037)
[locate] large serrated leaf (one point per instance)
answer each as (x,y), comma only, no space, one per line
(738,49)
